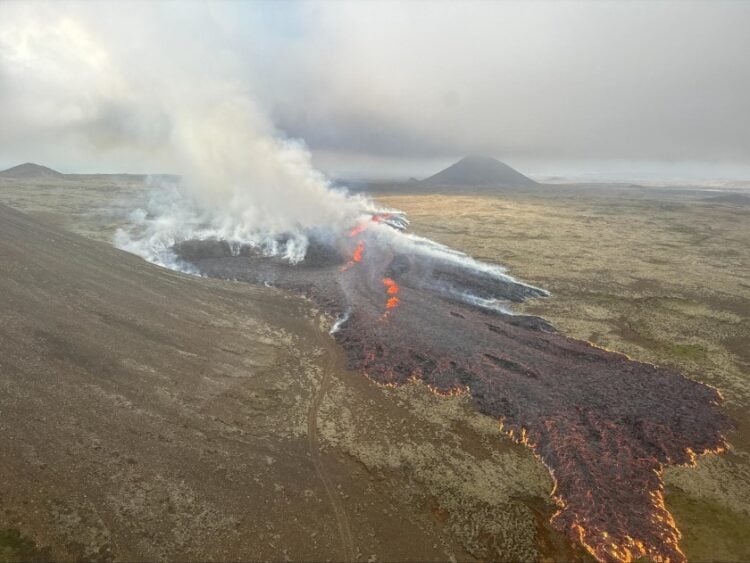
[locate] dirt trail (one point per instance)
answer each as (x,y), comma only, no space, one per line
(342,520)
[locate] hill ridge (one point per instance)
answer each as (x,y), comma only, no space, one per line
(478,170)
(30,170)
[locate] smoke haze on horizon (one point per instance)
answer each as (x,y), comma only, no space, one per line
(392,88)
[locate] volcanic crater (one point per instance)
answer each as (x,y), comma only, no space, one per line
(604,425)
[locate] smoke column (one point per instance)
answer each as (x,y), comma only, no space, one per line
(127,91)
(139,87)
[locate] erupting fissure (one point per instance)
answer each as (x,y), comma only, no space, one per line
(360,248)
(392,289)
(356,256)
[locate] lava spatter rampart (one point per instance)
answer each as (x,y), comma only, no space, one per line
(605,426)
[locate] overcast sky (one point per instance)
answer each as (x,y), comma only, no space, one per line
(390,88)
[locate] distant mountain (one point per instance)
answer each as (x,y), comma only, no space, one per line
(30,170)
(478,171)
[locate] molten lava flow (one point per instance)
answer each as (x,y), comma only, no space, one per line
(604,425)
(356,256)
(392,289)
(358,229)
(453,392)
(391,286)
(381,217)
(377,218)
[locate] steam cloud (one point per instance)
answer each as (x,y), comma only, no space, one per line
(132,86)
(243,181)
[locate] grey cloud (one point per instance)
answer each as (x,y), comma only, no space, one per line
(585,81)
(661,80)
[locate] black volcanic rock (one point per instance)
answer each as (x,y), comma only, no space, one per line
(30,170)
(479,171)
(605,426)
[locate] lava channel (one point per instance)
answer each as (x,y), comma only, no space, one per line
(604,425)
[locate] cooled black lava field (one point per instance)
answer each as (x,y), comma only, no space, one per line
(604,425)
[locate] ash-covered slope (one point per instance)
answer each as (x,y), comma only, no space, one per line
(479,171)
(148,415)
(135,415)
(604,425)
(30,170)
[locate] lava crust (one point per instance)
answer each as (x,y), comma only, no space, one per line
(604,425)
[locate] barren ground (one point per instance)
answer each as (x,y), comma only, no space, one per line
(146,414)
(151,415)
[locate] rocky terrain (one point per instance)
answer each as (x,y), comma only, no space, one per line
(657,273)
(146,415)
(427,458)
(604,425)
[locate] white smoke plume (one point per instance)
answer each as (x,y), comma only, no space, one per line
(121,87)
(135,85)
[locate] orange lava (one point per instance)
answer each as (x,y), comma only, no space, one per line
(375,219)
(392,289)
(452,392)
(356,256)
(392,286)
(358,229)
(381,217)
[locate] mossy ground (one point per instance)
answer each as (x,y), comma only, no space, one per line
(16,547)
(659,275)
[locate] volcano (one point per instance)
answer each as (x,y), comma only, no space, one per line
(30,170)
(409,309)
(479,171)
